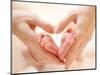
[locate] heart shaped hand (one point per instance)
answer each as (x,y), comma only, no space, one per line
(24,24)
(48,44)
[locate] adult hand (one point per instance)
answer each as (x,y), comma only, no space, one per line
(23,24)
(84,20)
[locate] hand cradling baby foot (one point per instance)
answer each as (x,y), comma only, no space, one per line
(48,44)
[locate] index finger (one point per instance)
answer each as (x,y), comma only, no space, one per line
(63,24)
(37,21)
(32,20)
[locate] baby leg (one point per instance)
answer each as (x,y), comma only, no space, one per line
(48,44)
(66,43)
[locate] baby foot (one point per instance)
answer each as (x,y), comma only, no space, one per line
(47,43)
(66,43)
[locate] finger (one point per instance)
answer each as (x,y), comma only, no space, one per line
(22,30)
(41,23)
(28,56)
(28,37)
(63,24)
(33,20)
(76,49)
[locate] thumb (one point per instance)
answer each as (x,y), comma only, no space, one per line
(63,24)
(37,21)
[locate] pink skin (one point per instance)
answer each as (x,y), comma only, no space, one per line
(47,43)
(67,41)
